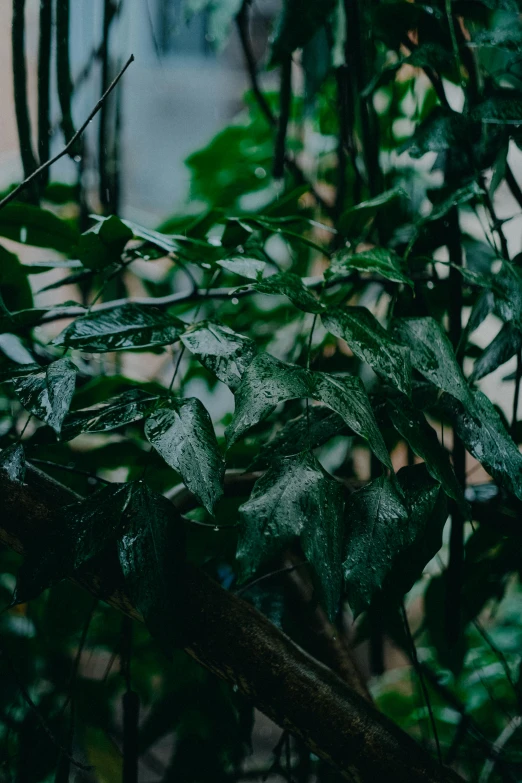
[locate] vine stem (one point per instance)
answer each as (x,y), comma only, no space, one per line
(35,174)
(516,395)
(20,90)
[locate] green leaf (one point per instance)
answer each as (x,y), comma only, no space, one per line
(505,345)
(502,109)
(245,267)
(459,196)
(481,430)
(121,329)
(124,409)
(103,244)
(182,433)
(221,350)
(295,498)
(292,286)
(443,129)
(48,393)
(432,354)
(151,552)
(371,343)
(412,425)
(309,430)
(12,347)
(377,521)
(78,532)
(12,462)
(268,381)
(34,226)
(508,38)
(299,21)
(380,260)
(14,285)
(353,220)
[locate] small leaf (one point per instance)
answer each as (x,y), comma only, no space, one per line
(505,345)
(292,286)
(443,129)
(121,328)
(380,260)
(12,347)
(182,433)
(222,351)
(371,343)
(12,462)
(295,498)
(48,393)
(103,244)
(353,221)
(432,354)
(126,408)
(151,552)
(34,226)
(422,438)
(245,267)
(79,531)
(377,522)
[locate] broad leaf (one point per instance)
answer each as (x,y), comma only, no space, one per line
(151,552)
(48,393)
(12,462)
(292,286)
(295,498)
(432,354)
(182,433)
(14,286)
(12,347)
(443,129)
(481,430)
(222,351)
(380,260)
(77,533)
(412,425)
(103,244)
(505,108)
(122,328)
(34,226)
(505,345)
(298,23)
(245,267)
(353,221)
(371,343)
(127,407)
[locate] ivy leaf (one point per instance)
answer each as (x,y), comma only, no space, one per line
(299,21)
(78,532)
(151,552)
(103,244)
(377,521)
(48,393)
(182,433)
(412,425)
(245,267)
(353,220)
(385,262)
(121,328)
(34,226)
(12,462)
(481,430)
(221,350)
(432,354)
(505,345)
(371,343)
(308,430)
(292,286)
(295,498)
(124,409)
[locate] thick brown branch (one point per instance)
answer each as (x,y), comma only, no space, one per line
(231,639)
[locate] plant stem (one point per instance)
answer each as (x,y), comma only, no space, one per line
(285,102)
(23,123)
(516,395)
(63,66)
(103,140)
(44,78)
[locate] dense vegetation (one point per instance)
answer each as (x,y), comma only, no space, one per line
(283,391)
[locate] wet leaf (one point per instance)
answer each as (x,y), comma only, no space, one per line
(295,498)
(12,462)
(380,260)
(34,226)
(127,407)
(121,329)
(371,343)
(505,345)
(221,350)
(48,393)
(290,285)
(245,267)
(151,552)
(353,220)
(182,433)
(432,354)
(103,244)
(77,533)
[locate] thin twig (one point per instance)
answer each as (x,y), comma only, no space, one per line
(20,90)
(285,103)
(28,180)
(516,394)
(63,69)
(70,469)
(498,747)
(44,77)
(285,570)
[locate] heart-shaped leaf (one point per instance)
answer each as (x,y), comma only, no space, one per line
(48,393)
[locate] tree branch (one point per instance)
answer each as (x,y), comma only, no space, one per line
(233,640)
(14,193)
